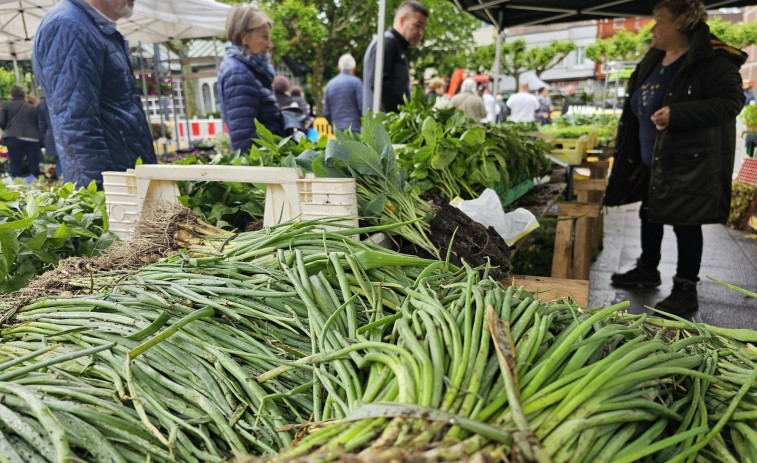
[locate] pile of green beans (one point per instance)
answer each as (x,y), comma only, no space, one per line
(296,343)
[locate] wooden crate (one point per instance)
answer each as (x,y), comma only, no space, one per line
(555,288)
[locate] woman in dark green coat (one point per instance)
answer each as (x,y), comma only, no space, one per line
(675,146)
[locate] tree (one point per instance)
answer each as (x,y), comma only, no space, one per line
(482,59)
(623,46)
(544,58)
(448,36)
(517,58)
(513,56)
(739,35)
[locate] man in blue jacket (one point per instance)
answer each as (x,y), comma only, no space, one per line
(82,63)
(343,102)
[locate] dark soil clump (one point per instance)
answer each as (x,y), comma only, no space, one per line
(472,243)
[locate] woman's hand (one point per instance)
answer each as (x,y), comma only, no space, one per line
(661,118)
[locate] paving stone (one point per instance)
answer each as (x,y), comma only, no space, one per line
(727,256)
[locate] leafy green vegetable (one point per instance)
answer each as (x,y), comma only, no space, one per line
(449,154)
(39,228)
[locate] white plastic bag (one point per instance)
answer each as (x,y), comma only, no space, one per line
(487,210)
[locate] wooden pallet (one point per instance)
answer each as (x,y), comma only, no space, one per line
(580,225)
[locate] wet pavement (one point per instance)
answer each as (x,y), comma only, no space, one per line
(728,256)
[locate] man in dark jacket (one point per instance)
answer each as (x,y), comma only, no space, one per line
(675,146)
(82,63)
(343,101)
(407,31)
(18,119)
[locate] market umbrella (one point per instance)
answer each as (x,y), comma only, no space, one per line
(508,13)
(153,21)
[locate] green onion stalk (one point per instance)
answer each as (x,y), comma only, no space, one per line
(295,341)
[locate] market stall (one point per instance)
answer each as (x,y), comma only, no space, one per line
(153,21)
(225,331)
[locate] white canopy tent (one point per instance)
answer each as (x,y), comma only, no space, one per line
(153,21)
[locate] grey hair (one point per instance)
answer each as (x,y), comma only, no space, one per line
(347,62)
(694,12)
(244,18)
(468,86)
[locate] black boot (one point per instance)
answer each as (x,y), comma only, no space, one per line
(639,276)
(682,299)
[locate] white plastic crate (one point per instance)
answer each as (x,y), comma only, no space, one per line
(288,196)
(121,202)
(328,198)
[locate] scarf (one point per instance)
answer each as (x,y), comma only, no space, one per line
(259,62)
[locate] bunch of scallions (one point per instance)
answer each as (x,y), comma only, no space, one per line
(296,343)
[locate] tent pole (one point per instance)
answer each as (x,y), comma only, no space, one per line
(184,92)
(15,69)
(162,110)
(143,77)
(173,102)
(617,86)
(378,78)
(35,85)
(497,61)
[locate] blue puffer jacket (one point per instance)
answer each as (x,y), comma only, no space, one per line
(243,99)
(82,63)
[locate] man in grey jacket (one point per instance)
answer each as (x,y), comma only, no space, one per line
(343,101)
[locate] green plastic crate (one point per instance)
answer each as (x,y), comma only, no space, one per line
(509,195)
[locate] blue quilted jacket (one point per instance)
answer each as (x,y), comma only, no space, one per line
(82,63)
(243,99)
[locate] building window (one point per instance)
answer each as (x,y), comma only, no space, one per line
(215,96)
(283,70)
(580,55)
(206,99)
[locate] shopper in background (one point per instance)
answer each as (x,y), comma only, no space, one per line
(545,106)
(343,98)
(299,98)
(489,103)
(523,105)
(435,90)
(748,96)
(502,110)
(283,91)
(18,119)
(675,146)
(469,102)
(570,99)
(245,78)
(406,32)
(82,62)
(46,132)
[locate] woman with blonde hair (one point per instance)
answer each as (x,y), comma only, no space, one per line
(245,77)
(675,145)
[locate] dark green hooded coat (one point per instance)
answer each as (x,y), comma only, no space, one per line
(689,181)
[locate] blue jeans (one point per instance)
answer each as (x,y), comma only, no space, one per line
(20,149)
